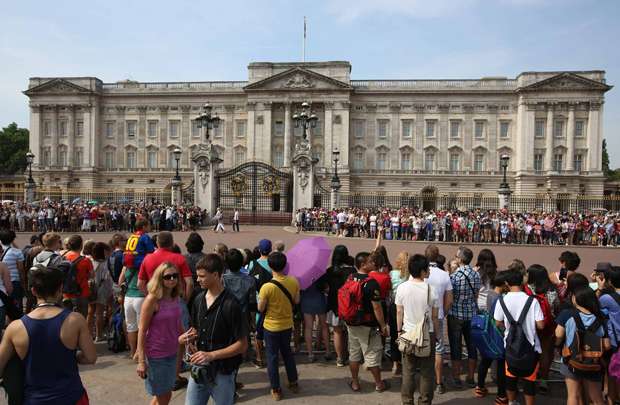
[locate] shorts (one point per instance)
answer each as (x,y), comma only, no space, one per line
(365,345)
(133,306)
(440,347)
(458,330)
(333,320)
(161,375)
(531,377)
(567,373)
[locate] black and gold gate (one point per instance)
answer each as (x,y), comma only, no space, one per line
(261,193)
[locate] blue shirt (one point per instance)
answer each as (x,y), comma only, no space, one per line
(144,247)
(571,327)
(11,257)
(464,292)
(611,308)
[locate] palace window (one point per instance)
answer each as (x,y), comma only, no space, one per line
(540,129)
(504,126)
(558,162)
(278,157)
(405,161)
(109,159)
(358,160)
(359,128)
(62,156)
(579,126)
(578,162)
(558,129)
(538,162)
(381,160)
(131,129)
(455,129)
(62,128)
(455,162)
(152,129)
(174,128)
(151,159)
(131,159)
(383,128)
(239,156)
(47,128)
(430,128)
(78,157)
(109,129)
(429,161)
(240,128)
(407,126)
(79,128)
(479,162)
(479,129)
(278,128)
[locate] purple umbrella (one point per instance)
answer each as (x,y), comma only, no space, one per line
(308,260)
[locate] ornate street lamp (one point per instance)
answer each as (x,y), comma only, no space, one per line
(206,120)
(177,156)
(335,183)
(305,119)
(503,161)
(30,160)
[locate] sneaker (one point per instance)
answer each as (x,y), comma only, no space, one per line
(258,363)
(294,387)
(276,394)
(340,362)
(441,389)
(180,383)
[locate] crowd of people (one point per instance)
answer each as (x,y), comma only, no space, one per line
(207,312)
(92,216)
(466,226)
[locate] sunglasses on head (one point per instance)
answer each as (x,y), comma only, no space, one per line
(173,276)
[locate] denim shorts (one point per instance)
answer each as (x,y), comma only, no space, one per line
(160,375)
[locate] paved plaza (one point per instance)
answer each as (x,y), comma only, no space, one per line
(113,380)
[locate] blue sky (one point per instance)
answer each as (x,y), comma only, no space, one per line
(408,39)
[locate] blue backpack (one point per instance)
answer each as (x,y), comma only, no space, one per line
(117,341)
(487,337)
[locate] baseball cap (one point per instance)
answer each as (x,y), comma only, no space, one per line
(264,246)
(603,267)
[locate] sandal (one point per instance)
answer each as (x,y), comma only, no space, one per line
(386,386)
(350,384)
(501,400)
(480,392)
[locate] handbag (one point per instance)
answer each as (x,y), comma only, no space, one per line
(419,346)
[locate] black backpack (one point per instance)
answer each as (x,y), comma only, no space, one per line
(117,341)
(521,357)
(261,275)
(70,270)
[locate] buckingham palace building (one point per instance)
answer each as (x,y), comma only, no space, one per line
(440,136)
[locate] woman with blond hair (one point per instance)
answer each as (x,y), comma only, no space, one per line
(399,275)
(158,333)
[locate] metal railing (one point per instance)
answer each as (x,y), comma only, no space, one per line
(486,84)
(174,85)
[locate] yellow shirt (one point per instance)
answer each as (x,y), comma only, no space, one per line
(279,315)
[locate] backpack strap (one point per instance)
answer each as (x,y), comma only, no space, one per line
(507,314)
(615,296)
(525,310)
(284,290)
(578,322)
(4,253)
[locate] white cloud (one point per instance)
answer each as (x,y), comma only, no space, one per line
(347,10)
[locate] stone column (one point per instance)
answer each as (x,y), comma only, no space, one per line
(186,129)
(54,145)
(141,141)
(35,132)
(570,138)
(343,139)
(288,130)
(442,135)
(250,131)
(394,137)
(594,137)
(120,136)
(71,136)
(175,193)
(205,162)
(163,136)
(418,138)
(29,191)
(88,140)
(303,177)
(266,135)
(492,139)
(549,139)
(504,197)
(328,134)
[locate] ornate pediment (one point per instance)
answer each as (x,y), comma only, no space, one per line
(566,82)
(296,79)
(57,86)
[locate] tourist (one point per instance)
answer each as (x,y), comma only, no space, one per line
(236,220)
(13,258)
(337,274)
(100,290)
(117,243)
(261,272)
(219,218)
(517,306)
(440,281)
(240,285)
(78,301)
(417,310)
(279,246)
(158,333)
(539,284)
(219,335)
(314,307)
(610,306)
(365,336)
(465,287)
(194,246)
(6,287)
(277,299)
(399,275)
(586,312)
(51,342)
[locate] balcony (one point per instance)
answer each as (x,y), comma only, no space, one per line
(172,86)
(474,84)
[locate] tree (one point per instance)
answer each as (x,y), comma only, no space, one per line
(13,149)
(605,158)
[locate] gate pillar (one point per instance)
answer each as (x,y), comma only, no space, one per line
(303,176)
(205,161)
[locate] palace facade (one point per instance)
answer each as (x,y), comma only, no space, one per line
(443,136)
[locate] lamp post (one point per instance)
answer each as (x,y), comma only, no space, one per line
(335,182)
(504,191)
(30,185)
(177,157)
(175,197)
(305,119)
(207,120)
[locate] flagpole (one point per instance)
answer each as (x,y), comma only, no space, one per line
(303,55)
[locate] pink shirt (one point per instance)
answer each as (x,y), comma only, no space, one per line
(163,332)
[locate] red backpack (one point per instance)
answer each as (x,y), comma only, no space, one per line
(351,302)
(385,282)
(550,325)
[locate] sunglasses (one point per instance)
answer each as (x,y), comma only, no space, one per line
(169,277)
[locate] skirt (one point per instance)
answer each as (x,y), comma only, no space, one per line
(160,375)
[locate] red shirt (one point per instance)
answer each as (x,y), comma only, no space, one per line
(159,256)
(84,268)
